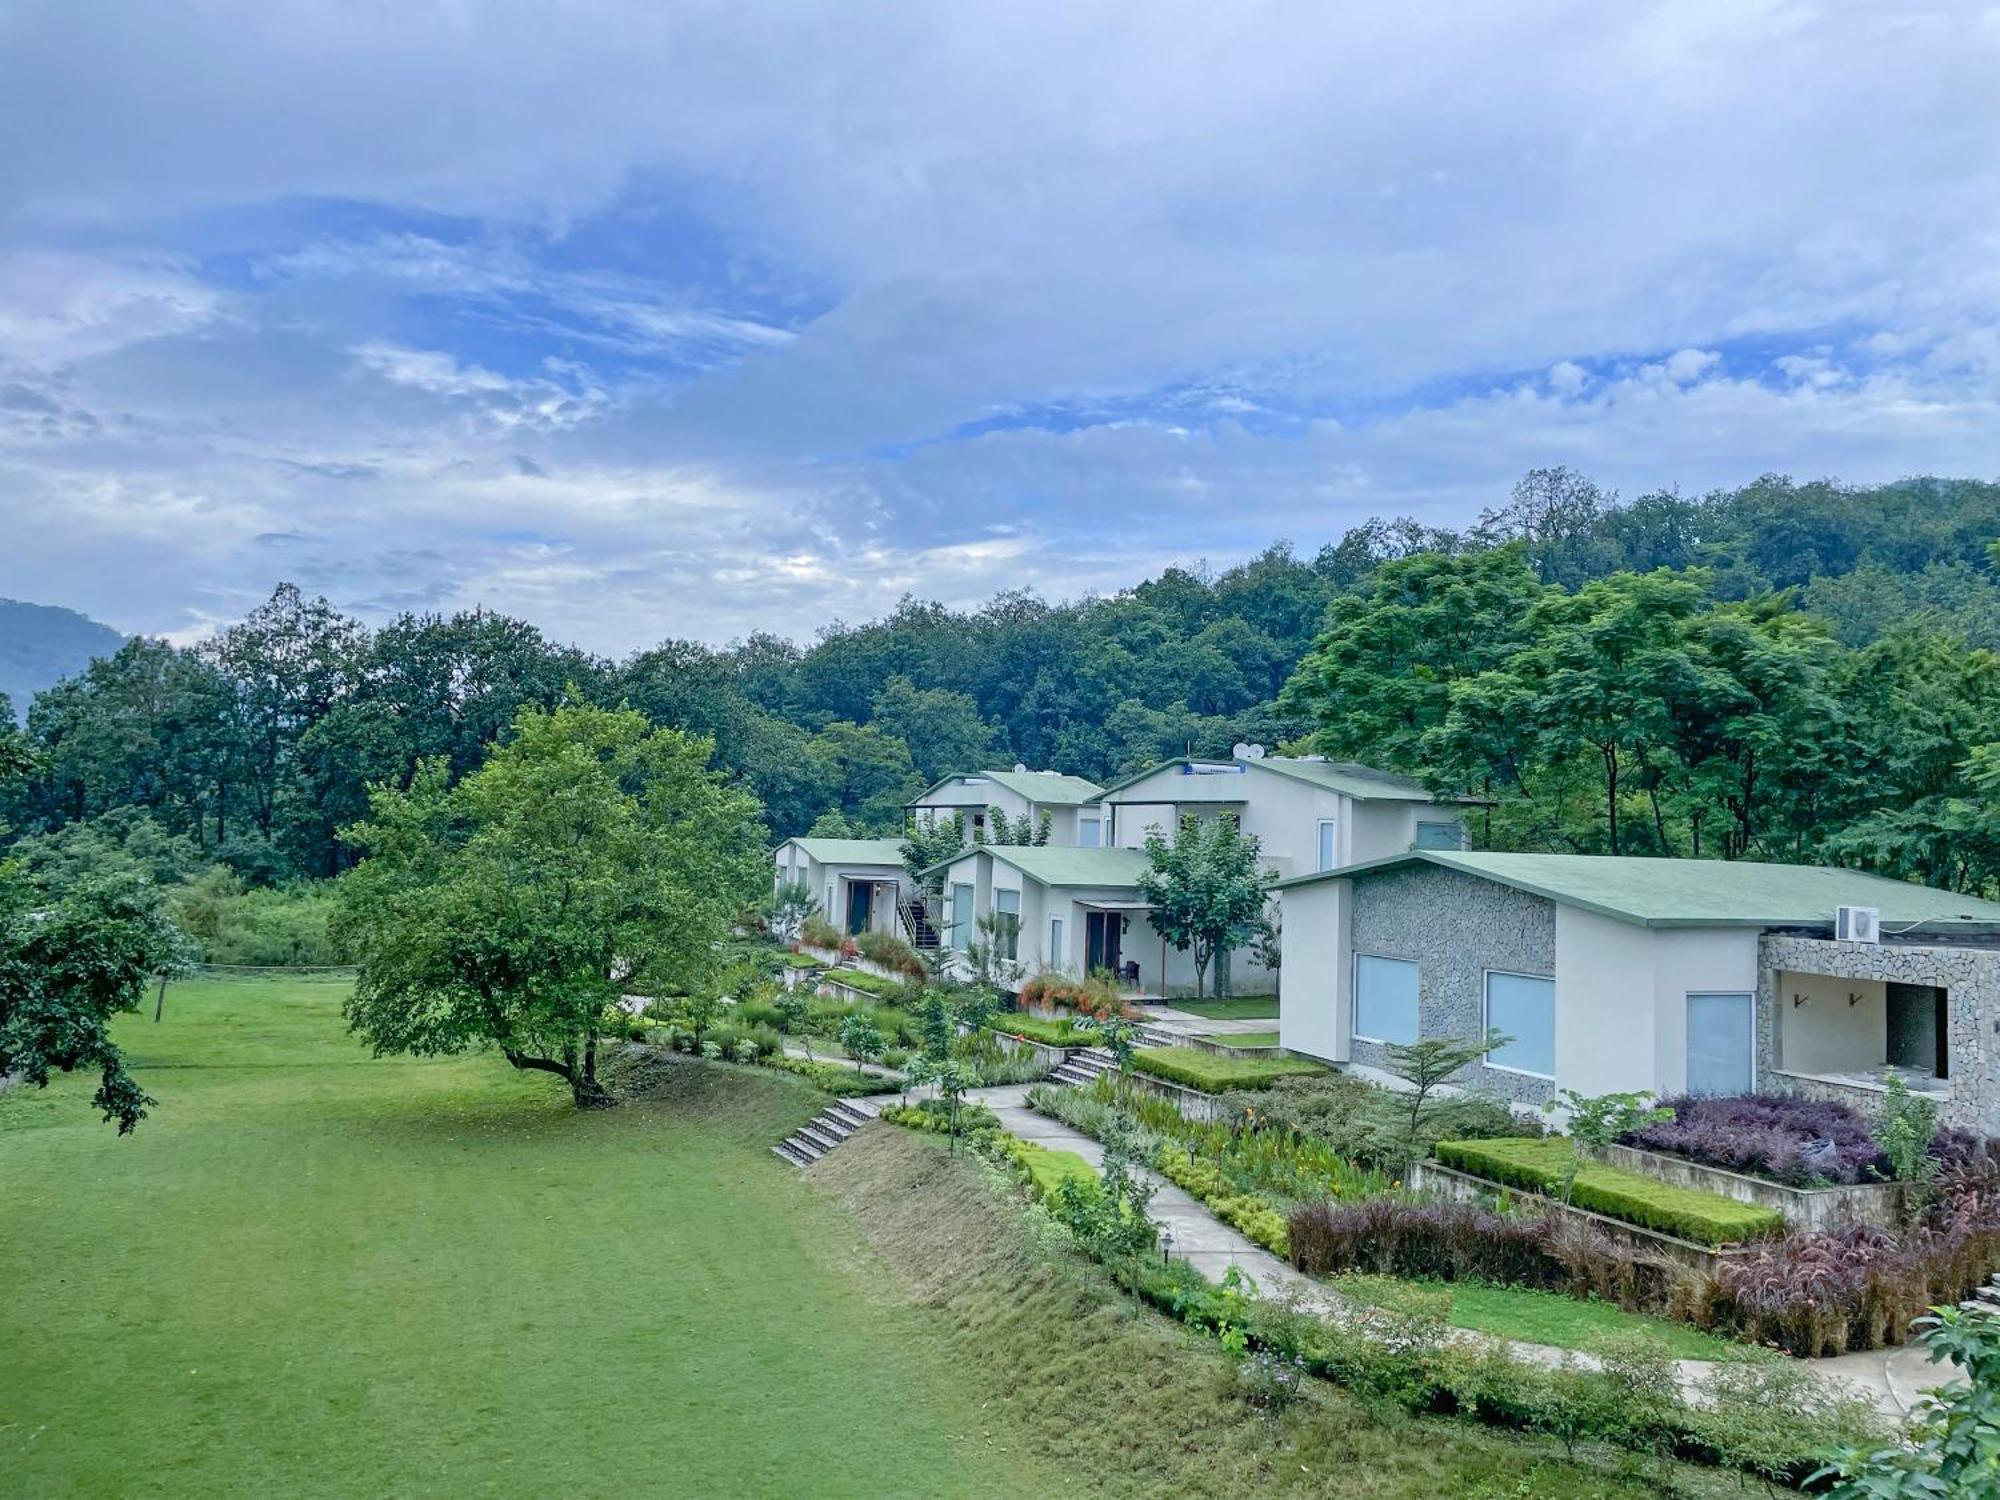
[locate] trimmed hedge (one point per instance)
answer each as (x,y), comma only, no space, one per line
(866,982)
(1538,1165)
(1213,1073)
(1037,1029)
(1047,1170)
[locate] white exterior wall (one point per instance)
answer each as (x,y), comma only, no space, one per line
(1842,1027)
(1606,1039)
(1317,976)
(1694,961)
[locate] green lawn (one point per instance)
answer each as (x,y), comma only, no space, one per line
(1249,1039)
(313,1272)
(1235,1008)
(1551,1318)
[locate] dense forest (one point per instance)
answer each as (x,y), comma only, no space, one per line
(1782,671)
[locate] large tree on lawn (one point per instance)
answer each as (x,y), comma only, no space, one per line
(590,857)
(1205,887)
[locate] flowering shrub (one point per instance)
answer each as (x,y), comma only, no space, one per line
(1096,996)
(1270,1381)
(1802,1142)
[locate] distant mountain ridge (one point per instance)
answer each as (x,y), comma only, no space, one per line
(40,644)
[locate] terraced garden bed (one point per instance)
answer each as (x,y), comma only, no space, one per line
(1214,1073)
(1538,1165)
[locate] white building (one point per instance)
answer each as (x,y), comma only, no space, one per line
(1663,975)
(1079,910)
(1307,814)
(857,882)
(1019,794)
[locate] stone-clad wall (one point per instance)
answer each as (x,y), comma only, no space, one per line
(1969,976)
(1456,926)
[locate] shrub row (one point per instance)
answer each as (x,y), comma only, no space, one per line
(1539,1164)
(1098,995)
(1801,1142)
(1249,1215)
(1213,1073)
(831,1078)
(891,952)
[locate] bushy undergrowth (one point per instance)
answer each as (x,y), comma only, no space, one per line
(892,953)
(1343,1113)
(832,1078)
(1098,995)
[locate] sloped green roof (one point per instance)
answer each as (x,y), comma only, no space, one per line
(1701,892)
(1051,787)
(852,851)
(1348,777)
(1052,865)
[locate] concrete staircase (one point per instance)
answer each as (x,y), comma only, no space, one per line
(1985,1298)
(1084,1066)
(824,1131)
(1148,1034)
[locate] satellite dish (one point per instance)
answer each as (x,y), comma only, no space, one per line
(1240,750)
(1256,752)
(1020,767)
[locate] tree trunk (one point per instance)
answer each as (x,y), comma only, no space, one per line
(1611,792)
(584,1089)
(160,1000)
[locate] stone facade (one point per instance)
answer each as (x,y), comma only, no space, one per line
(1969,976)
(1456,927)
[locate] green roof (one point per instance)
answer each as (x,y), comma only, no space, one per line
(1052,787)
(1052,865)
(1700,892)
(1345,776)
(851,851)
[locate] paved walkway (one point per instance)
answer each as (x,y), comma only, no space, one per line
(1891,1378)
(1187,1023)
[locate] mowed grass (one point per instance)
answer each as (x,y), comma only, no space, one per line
(1538,1317)
(1235,1008)
(314,1272)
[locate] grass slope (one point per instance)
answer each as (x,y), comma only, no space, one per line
(313,1272)
(1133,1405)
(1234,1008)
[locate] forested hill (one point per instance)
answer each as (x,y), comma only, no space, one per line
(40,644)
(1796,687)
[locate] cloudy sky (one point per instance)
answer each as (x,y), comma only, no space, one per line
(668,318)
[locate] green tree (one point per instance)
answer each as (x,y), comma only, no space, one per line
(930,841)
(1403,1125)
(942,728)
(1954,1446)
(1205,887)
(590,857)
(69,962)
(869,773)
(862,1038)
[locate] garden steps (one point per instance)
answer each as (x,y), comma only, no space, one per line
(824,1131)
(1084,1066)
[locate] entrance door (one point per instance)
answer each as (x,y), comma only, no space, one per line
(1101,931)
(860,905)
(1721,1044)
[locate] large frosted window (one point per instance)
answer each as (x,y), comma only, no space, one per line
(1440,836)
(1721,1044)
(1326,853)
(1523,1008)
(1056,942)
(1007,922)
(1385,999)
(1089,832)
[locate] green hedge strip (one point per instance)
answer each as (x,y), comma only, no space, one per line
(1213,1073)
(1538,1166)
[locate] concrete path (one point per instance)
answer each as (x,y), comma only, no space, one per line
(839,1060)
(1890,1378)
(1166,1018)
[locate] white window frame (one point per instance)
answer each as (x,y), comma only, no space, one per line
(1456,824)
(1354,999)
(1326,845)
(1096,823)
(959,923)
(1055,942)
(1486,1021)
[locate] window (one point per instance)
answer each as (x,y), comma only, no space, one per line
(1522,1006)
(1721,1044)
(1055,942)
(1007,923)
(1385,999)
(1440,835)
(1326,854)
(1089,832)
(960,919)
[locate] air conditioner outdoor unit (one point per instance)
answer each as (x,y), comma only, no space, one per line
(1857,924)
